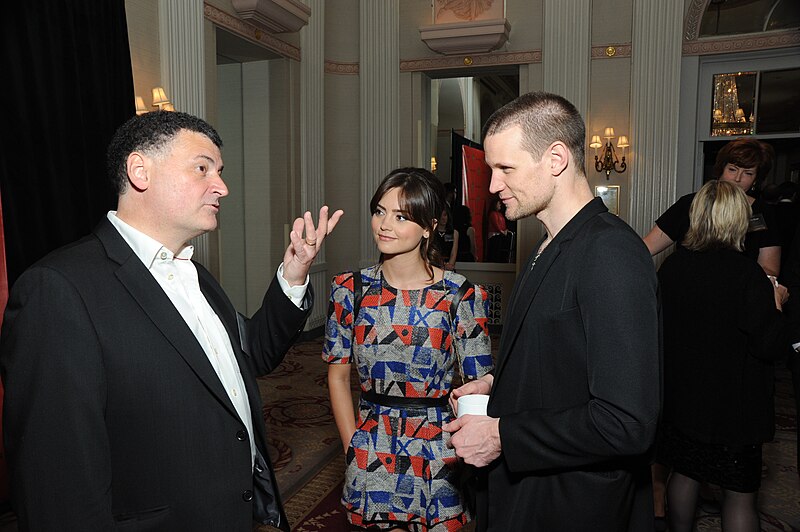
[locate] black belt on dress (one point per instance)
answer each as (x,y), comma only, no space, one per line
(405,402)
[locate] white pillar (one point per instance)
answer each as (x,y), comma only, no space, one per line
(312,141)
(183,72)
(655,92)
(379,70)
(566,50)
(183,76)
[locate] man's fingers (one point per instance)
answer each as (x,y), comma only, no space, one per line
(334,220)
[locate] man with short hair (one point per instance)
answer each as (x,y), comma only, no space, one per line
(576,390)
(131,397)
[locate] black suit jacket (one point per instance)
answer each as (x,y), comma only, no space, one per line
(577,385)
(114,418)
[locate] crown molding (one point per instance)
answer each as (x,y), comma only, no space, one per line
(470,61)
(275,16)
(743,43)
(473,37)
(338,67)
(250,32)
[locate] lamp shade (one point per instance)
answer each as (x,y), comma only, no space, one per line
(622,142)
(168,106)
(595,142)
(140,108)
(609,134)
(159,96)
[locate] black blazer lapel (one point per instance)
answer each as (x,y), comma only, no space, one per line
(157,306)
(524,294)
(530,280)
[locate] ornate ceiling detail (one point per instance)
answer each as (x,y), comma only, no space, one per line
(744,43)
(462,61)
(334,67)
(250,32)
(275,16)
(609,51)
(694,15)
(472,37)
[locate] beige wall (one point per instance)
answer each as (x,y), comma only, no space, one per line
(142,18)
(609,104)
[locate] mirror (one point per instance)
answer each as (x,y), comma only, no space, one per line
(459,108)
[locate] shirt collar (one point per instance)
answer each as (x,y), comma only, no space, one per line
(146,248)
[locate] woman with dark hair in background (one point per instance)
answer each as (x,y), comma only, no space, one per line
(462,222)
(723,328)
(447,239)
(498,237)
(401,474)
(745,163)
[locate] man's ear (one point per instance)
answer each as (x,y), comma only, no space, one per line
(137,167)
(557,157)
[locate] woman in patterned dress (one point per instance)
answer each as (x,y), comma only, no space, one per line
(400,473)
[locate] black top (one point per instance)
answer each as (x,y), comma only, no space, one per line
(761,234)
(445,240)
(465,253)
(721,332)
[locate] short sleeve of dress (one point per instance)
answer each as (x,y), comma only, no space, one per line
(472,328)
(771,236)
(675,220)
(337,348)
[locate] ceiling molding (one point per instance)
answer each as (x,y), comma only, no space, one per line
(250,32)
(338,67)
(611,51)
(471,61)
(472,37)
(743,43)
(275,16)
(694,15)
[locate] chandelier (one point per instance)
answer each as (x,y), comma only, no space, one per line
(728,117)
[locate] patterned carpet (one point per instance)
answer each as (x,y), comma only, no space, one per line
(309,461)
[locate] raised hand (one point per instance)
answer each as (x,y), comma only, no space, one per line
(306,241)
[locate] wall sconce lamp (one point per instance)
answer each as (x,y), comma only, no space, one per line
(609,160)
(160,101)
(140,108)
(160,98)
(433,164)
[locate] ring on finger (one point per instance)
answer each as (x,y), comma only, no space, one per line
(311,242)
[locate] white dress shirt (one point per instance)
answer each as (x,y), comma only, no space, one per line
(177,276)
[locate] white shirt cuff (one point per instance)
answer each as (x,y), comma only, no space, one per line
(295,293)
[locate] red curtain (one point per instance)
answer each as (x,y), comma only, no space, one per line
(476,177)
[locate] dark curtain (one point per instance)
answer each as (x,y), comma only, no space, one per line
(67,86)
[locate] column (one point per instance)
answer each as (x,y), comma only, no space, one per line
(566,50)
(655,92)
(312,141)
(183,74)
(379,61)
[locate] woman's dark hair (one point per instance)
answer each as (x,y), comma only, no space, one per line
(745,153)
(421,197)
(462,217)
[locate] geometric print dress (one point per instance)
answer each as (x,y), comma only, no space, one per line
(399,468)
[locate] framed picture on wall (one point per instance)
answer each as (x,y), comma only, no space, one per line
(610,196)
